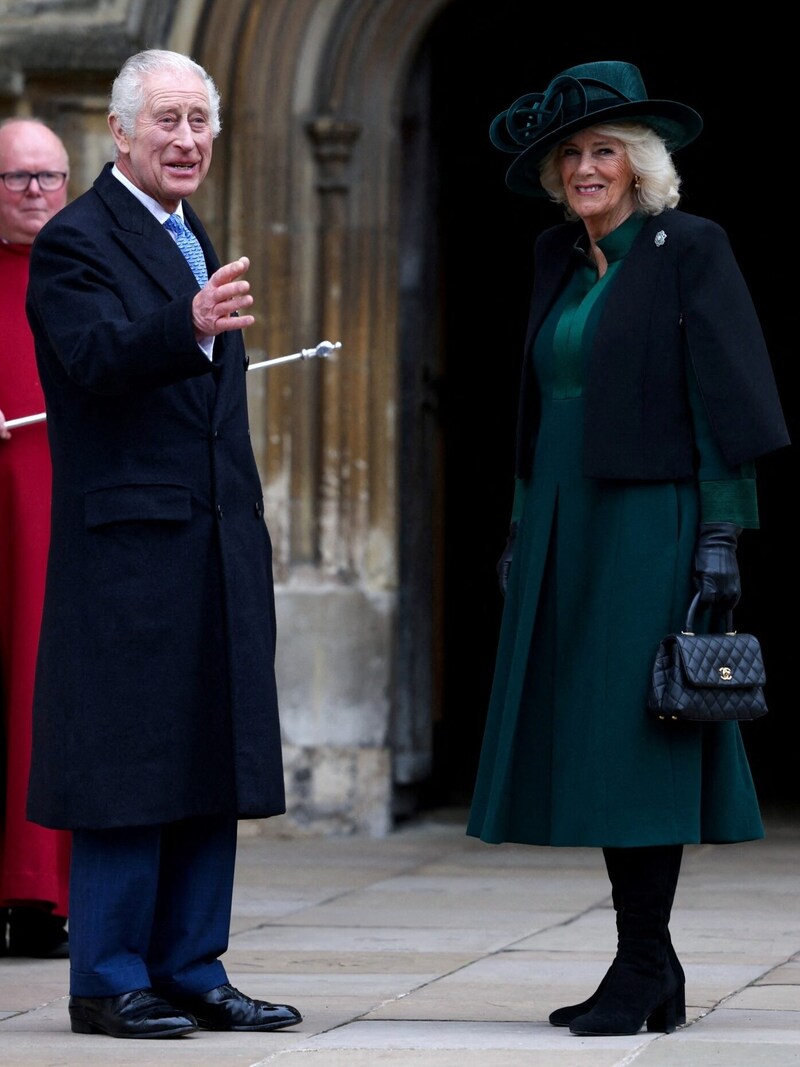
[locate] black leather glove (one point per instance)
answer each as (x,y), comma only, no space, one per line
(716,571)
(504,563)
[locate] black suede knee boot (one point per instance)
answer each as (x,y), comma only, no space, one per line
(671,857)
(645,983)
(613,858)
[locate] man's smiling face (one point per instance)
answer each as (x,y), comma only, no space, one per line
(169,152)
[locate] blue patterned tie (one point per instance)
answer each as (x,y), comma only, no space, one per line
(190,246)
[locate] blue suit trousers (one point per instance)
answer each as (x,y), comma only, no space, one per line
(150,906)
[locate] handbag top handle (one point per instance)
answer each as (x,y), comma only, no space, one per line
(688,626)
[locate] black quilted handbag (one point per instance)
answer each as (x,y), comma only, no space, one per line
(710,677)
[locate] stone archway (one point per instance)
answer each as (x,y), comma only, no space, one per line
(310,189)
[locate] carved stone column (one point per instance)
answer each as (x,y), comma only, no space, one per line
(342,410)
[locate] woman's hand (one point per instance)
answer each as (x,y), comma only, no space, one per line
(716,569)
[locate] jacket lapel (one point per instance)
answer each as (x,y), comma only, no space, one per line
(145,241)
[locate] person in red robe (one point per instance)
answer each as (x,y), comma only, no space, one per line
(34,861)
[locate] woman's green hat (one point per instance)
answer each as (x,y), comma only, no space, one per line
(583,96)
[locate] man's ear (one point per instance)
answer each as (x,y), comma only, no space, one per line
(120,137)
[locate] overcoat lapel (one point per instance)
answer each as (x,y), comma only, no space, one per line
(146,242)
(155,253)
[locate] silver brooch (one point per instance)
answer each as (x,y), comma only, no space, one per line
(660,238)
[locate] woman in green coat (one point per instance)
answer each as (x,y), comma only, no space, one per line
(647,394)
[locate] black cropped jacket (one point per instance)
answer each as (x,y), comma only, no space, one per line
(679,296)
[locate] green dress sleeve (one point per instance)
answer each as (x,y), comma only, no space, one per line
(727,494)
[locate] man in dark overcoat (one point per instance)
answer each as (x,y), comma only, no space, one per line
(156,717)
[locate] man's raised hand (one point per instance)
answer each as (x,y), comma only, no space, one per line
(217,307)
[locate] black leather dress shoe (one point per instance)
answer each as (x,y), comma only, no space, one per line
(225,1008)
(137,1014)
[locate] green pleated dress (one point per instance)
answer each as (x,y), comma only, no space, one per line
(601,572)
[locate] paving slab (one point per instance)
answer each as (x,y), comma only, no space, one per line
(430,949)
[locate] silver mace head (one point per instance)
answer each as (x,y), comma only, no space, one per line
(323,349)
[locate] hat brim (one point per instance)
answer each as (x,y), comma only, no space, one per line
(678,124)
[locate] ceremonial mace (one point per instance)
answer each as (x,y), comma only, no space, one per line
(321,351)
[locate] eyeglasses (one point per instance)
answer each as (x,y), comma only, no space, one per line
(19,180)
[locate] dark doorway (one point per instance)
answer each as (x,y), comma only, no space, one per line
(480,57)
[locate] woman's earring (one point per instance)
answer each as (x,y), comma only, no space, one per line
(637,184)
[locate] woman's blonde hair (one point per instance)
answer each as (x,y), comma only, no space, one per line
(658,180)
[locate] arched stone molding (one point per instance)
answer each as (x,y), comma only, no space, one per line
(309,188)
(311,97)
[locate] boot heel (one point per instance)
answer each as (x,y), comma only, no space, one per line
(663,1019)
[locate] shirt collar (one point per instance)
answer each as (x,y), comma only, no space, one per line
(152,205)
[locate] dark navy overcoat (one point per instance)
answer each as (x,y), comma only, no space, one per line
(155,691)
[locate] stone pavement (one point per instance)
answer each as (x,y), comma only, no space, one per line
(430,948)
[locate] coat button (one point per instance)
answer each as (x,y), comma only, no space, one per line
(259,509)
(219,511)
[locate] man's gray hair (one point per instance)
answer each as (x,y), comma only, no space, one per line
(127,92)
